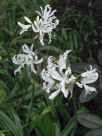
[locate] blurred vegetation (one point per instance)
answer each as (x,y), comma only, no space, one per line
(24,107)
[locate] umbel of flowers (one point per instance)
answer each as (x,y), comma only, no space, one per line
(28,57)
(57,76)
(44,23)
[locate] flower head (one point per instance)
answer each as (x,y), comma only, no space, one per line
(58,77)
(45,22)
(90,76)
(28,57)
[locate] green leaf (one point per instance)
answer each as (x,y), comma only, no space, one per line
(89,120)
(82,109)
(18,123)
(2,134)
(45,111)
(68,127)
(10,124)
(94,132)
(84,98)
(39,118)
(55,130)
(2,95)
(7,76)
(46,127)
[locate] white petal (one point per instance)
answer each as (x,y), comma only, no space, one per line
(24,26)
(20,24)
(18,70)
(41,38)
(89,76)
(38,61)
(45,76)
(54,74)
(28,50)
(34,29)
(53,95)
(15,61)
(71,79)
(70,88)
(50,36)
(89,89)
(79,85)
(38,13)
(64,91)
(22,31)
(28,20)
(62,60)
(68,71)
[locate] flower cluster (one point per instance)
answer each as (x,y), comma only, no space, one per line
(59,78)
(45,22)
(28,57)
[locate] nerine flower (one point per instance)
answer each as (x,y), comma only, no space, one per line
(58,77)
(28,57)
(45,22)
(90,76)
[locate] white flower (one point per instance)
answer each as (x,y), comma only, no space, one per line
(44,24)
(23,26)
(90,76)
(58,77)
(28,58)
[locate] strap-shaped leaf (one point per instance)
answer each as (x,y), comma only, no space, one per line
(10,124)
(85,98)
(89,120)
(95,132)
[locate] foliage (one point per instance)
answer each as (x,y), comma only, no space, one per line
(24,106)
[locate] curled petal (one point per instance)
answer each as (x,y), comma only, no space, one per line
(54,74)
(54,94)
(89,89)
(68,71)
(28,50)
(45,76)
(90,76)
(79,85)
(18,70)
(24,27)
(38,61)
(64,91)
(62,60)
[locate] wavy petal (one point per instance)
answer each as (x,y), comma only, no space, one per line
(89,89)
(53,95)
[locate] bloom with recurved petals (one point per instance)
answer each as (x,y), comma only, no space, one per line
(58,78)
(45,23)
(88,77)
(28,57)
